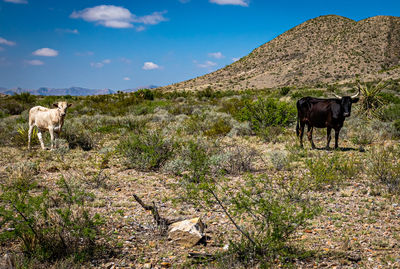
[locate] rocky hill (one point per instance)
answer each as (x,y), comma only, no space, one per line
(327,49)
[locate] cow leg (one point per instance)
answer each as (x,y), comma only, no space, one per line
(29,135)
(337,138)
(328,136)
(309,134)
(51,131)
(39,134)
(301,132)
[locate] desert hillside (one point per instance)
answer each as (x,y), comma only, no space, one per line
(327,49)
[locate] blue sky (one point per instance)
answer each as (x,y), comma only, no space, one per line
(129,43)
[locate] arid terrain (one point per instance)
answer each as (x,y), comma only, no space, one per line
(165,147)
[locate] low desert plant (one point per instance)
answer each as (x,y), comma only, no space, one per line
(330,170)
(269,212)
(265,113)
(78,136)
(371,101)
(146,151)
(50,225)
(384,167)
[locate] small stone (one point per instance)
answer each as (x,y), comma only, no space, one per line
(117,189)
(187,233)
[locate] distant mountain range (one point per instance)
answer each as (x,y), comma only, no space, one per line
(73,91)
(328,49)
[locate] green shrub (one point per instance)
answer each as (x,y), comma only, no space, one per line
(303,93)
(284,91)
(24,97)
(384,166)
(146,151)
(77,135)
(279,160)
(49,225)
(396,126)
(265,113)
(324,170)
(390,113)
(221,127)
(269,211)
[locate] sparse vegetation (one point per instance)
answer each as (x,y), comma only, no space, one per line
(198,154)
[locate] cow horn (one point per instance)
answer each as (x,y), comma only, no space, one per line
(354,96)
(337,96)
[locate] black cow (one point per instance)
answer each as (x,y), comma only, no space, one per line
(323,113)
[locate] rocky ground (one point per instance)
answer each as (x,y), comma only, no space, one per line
(359,226)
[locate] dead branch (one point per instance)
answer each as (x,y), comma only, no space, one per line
(161,222)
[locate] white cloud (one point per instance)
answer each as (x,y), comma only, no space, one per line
(152,19)
(150,66)
(234,59)
(6,42)
(45,52)
(127,78)
(116,17)
(207,64)
(100,64)
(216,55)
(68,31)
(243,3)
(35,62)
(17,1)
(140,28)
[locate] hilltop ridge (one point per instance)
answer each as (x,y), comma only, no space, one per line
(327,49)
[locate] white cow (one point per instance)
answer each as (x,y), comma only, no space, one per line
(47,119)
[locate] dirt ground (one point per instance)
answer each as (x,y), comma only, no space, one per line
(358,227)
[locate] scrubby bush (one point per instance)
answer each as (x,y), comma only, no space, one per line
(279,160)
(233,159)
(50,225)
(146,151)
(265,212)
(269,112)
(330,170)
(78,135)
(384,166)
(390,113)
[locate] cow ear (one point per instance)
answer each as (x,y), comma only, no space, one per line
(69,105)
(355,100)
(55,105)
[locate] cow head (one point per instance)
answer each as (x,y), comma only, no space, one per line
(346,102)
(62,107)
